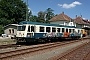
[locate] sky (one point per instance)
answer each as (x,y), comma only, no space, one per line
(69,7)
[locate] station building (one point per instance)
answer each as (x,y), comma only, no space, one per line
(84,24)
(63,19)
(11,29)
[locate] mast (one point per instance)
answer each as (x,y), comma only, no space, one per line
(26,10)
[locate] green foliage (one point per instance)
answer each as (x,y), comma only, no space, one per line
(12,11)
(45,16)
(49,14)
(41,16)
(1,29)
(33,18)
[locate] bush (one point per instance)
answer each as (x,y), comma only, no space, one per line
(1,30)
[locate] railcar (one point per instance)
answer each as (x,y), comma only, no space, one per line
(84,32)
(34,31)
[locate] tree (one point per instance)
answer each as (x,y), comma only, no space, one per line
(41,16)
(30,15)
(34,18)
(1,30)
(49,14)
(12,11)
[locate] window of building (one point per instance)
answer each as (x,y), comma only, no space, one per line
(12,30)
(9,31)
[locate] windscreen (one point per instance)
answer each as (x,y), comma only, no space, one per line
(21,28)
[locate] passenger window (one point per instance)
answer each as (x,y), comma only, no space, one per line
(47,29)
(58,29)
(73,31)
(69,30)
(32,28)
(41,29)
(66,30)
(12,30)
(62,29)
(28,28)
(78,31)
(53,29)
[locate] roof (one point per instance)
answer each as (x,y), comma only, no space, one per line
(29,22)
(61,16)
(11,25)
(45,24)
(80,20)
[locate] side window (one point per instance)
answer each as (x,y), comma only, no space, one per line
(9,31)
(41,29)
(58,29)
(32,28)
(66,30)
(47,29)
(62,29)
(12,30)
(73,30)
(53,29)
(28,28)
(78,31)
(23,28)
(69,30)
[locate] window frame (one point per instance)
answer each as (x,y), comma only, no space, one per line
(53,29)
(41,30)
(58,29)
(48,29)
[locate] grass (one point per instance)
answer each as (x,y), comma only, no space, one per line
(7,41)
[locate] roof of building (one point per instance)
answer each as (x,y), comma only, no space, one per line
(61,16)
(80,20)
(11,25)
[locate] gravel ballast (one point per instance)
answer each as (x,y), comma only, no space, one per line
(49,54)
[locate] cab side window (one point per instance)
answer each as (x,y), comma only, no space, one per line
(28,28)
(32,28)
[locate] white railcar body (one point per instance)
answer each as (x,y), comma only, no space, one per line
(31,30)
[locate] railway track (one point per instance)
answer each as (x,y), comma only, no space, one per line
(81,52)
(17,53)
(8,46)
(15,45)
